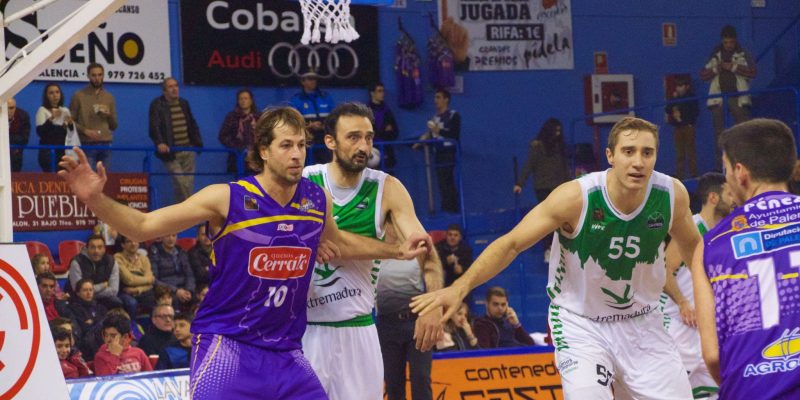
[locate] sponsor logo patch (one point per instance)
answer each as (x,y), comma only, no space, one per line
(279,263)
(306,204)
(781,355)
(250,203)
(285,227)
(739,223)
(655,220)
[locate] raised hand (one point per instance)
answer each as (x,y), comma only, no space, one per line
(82,180)
(415,245)
(428,330)
(450,298)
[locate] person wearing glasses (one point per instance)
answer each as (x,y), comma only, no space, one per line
(159,334)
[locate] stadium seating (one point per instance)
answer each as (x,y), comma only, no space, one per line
(68,249)
(35,247)
(186,243)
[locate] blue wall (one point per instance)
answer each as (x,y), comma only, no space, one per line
(501,110)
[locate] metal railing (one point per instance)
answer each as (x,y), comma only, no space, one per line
(149,152)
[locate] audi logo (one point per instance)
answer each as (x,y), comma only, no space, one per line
(337,61)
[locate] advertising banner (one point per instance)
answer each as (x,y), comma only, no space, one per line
(508,35)
(524,373)
(29,367)
(257,43)
(44,202)
(517,374)
(132,46)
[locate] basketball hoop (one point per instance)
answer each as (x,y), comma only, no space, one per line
(334,15)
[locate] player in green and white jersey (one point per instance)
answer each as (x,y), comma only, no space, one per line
(341,341)
(606,271)
(679,314)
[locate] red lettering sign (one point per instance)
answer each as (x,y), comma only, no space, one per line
(279,263)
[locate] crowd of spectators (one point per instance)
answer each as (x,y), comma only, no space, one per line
(116,314)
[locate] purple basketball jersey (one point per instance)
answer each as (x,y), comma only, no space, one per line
(752,258)
(260,266)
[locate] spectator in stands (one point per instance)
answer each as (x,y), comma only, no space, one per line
(682,116)
(41,264)
(455,253)
(19,130)
(200,257)
(173,125)
(171,268)
(159,334)
(500,327)
(547,161)
(67,325)
(53,307)
(95,113)
(85,309)
(445,124)
(315,105)
(237,129)
(385,123)
(72,363)
(117,355)
(179,351)
(163,295)
(458,334)
(136,276)
(52,121)
(729,69)
(93,263)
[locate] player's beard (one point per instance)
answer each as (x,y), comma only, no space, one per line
(350,165)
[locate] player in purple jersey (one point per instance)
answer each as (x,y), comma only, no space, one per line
(267,229)
(745,273)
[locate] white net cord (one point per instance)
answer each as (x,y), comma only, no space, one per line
(335,15)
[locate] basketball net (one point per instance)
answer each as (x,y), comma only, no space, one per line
(333,14)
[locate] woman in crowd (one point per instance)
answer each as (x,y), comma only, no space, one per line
(237,129)
(547,161)
(458,334)
(52,121)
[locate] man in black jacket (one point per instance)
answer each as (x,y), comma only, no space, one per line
(93,263)
(173,125)
(171,268)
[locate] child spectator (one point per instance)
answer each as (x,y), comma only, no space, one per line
(41,264)
(72,364)
(117,355)
(163,295)
(178,352)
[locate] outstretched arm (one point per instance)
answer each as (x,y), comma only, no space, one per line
(350,245)
(560,208)
(209,204)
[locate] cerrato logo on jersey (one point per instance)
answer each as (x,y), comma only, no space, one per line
(782,355)
(250,203)
(655,220)
(279,262)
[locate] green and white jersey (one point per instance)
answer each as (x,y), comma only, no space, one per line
(345,290)
(612,266)
(683,276)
